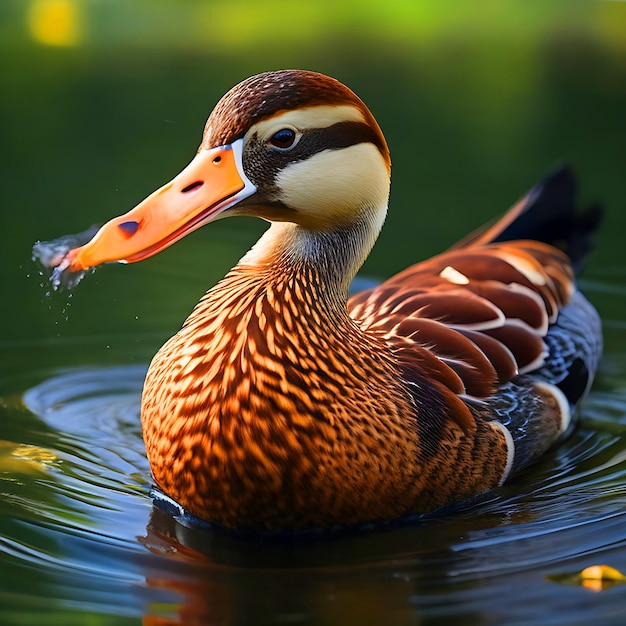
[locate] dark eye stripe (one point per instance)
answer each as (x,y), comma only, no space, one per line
(341,135)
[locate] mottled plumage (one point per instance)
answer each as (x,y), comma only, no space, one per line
(282,404)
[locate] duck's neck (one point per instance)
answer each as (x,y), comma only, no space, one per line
(293,285)
(330,257)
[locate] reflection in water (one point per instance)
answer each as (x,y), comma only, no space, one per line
(246,581)
(85,521)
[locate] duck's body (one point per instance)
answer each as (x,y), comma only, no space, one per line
(281,404)
(274,399)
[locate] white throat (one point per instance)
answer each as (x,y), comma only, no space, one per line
(337,253)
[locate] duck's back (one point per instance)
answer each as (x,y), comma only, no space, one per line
(497,324)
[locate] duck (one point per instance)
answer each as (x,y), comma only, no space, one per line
(283,403)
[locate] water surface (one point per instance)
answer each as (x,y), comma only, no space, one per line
(80,535)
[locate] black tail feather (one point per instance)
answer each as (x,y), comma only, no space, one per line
(548,214)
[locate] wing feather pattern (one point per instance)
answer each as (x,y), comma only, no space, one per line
(472,318)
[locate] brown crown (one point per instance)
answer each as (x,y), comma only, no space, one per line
(264,95)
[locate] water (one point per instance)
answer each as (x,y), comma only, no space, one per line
(477,106)
(76,513)
(50,256)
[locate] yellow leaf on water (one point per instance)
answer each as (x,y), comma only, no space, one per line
(21,458)
(594,577)
(602,572)
(600,577)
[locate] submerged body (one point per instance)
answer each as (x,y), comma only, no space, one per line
(281,404)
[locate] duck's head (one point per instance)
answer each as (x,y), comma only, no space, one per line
(287,146)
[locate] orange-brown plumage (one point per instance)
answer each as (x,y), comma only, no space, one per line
(300,418)
(282,404)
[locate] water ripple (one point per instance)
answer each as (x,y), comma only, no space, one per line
(79,512)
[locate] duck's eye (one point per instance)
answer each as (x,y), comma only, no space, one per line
(283,139)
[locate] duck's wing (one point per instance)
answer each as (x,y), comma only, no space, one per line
(475,317)
(471,319)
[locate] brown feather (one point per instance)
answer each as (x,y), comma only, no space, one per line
(504,293)
(268,410)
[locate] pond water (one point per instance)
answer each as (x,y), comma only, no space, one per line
(476,109)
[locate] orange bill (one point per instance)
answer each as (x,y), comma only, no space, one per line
(211,183)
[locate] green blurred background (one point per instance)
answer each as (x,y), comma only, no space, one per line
(102,101)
